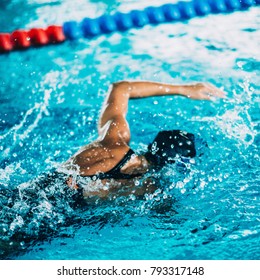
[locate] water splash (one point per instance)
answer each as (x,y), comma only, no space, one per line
(19,132)
(237,125)
(236,122)
(34,210)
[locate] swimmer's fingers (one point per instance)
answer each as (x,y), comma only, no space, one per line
(214,91)
(203,91)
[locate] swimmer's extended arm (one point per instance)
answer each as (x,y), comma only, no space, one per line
(200,91)
(113,127)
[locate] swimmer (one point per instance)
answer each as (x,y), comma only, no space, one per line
(110,157)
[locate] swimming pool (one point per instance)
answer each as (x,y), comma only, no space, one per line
(50,100)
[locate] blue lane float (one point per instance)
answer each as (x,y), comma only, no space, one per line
(180,11)
(119,22)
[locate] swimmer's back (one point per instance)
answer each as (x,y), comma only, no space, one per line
(96,158)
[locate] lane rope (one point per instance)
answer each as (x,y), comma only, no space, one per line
(119,22)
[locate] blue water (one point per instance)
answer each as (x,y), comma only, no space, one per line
(50,101)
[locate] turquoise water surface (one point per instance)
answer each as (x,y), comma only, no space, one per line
(50,99)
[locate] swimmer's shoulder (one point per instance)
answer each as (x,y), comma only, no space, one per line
(95,157)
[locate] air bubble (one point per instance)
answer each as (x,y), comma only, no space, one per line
(132,197)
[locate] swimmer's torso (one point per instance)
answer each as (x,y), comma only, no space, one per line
(95,158)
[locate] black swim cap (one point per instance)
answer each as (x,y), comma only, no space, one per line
(169,145)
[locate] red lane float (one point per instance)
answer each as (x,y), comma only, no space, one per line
(55,34)
(22,39)
(38,37)
(5,42)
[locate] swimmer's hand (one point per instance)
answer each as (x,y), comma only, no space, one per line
(202,91)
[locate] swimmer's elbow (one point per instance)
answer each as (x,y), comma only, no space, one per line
(122,87)
(121,84)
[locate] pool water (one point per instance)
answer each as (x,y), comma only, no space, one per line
(50,102)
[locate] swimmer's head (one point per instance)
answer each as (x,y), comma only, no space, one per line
(170,145)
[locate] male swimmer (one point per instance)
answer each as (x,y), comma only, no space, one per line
(110,159)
